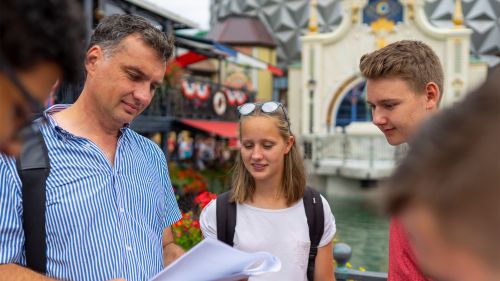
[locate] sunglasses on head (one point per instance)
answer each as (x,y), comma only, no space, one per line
(265,107)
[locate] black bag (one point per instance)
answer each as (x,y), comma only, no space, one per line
(33,167)
(226,222)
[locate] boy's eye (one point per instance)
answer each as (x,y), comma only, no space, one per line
(390,105)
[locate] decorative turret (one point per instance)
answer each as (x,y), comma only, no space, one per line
(458,17)
(313,17)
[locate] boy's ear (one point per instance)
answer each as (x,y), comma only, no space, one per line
(433,96)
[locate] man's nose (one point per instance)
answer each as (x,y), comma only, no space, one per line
(143,93)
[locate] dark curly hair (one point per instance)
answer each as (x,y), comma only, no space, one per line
(34,31)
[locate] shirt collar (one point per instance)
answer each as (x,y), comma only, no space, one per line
(60,107)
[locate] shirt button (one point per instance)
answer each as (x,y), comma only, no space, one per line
(122,210)
(128,248)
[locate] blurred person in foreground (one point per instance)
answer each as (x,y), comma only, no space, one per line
(446,192)
(40,42)
(404,86)
(110,202)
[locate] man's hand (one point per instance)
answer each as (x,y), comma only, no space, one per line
(171,251)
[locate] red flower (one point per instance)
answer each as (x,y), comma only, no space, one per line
(204,198)
(196,224)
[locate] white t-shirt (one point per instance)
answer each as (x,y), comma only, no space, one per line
(283,233)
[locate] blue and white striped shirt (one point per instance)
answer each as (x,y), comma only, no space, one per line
(102,222)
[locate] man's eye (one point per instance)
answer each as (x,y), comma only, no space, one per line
(390,105)
(134,77)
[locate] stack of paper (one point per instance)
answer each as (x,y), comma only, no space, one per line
(214,260)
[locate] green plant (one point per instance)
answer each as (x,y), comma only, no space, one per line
(173,74)
(187,231)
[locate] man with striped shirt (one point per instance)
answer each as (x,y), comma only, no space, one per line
(109,202)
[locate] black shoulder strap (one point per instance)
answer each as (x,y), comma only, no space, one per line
(226,218)
(313,206)
(33,168)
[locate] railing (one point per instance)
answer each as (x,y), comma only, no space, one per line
(356,156)
(171,102)
(342,253)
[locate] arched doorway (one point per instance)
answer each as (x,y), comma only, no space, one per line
(348,104)
(353,107)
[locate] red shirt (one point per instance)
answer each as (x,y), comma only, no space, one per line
(402,266)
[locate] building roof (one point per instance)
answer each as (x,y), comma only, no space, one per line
(203,66)
(242,30)
(150,6)
(288,20)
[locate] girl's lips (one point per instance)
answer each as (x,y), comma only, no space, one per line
(258,166)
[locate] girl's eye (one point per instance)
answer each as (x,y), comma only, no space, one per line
(247,146)
(268,146)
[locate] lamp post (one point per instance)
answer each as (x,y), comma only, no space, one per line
(311,85)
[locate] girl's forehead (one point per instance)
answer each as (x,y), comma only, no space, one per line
(256,122)
(259,119)
(256,127)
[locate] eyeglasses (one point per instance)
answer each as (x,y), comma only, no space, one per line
(21,111)
(266,107)
(33,103)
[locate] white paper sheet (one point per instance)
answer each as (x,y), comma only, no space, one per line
(212,260)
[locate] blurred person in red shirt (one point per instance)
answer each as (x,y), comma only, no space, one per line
(446,192)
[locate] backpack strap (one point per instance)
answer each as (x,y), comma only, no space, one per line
(226,218)
(33,167)
(313,206)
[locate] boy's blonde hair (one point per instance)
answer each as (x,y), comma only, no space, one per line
(412,61)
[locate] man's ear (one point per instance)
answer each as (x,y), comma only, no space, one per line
(93,57)
(433,96)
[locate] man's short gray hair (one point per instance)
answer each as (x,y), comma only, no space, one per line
(113,29)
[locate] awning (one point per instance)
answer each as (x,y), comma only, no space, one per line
(221,128)
(210,48)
